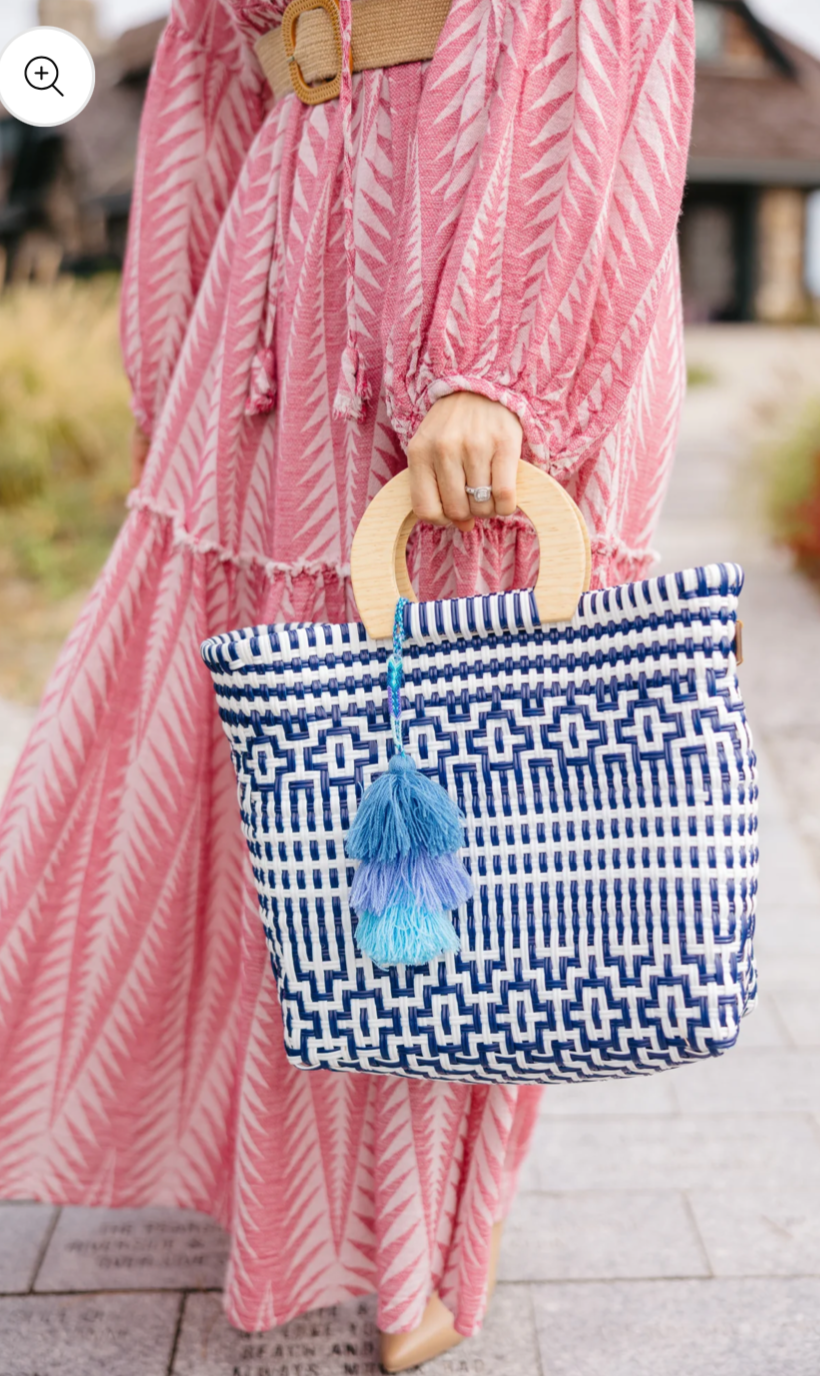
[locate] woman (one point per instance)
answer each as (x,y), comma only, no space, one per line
(456,262)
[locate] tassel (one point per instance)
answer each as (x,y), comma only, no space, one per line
(405,935)
(437,882)
(353,388)
(401,813)
(261,398)
(405,834)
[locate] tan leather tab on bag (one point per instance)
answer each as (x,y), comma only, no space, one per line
(738,645)
(385,33)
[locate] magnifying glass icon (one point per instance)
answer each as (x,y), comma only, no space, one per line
(41,73)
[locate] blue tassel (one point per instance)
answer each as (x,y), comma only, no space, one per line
(405,833)
(406,934)
(404,812)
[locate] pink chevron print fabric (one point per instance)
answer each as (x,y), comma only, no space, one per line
(514,205)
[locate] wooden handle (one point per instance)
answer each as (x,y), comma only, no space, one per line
(378,566)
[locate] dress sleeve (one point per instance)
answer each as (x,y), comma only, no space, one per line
(540,215)
(206,99)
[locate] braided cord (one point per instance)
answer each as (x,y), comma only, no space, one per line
(395,675)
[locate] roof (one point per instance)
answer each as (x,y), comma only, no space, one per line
(134,50)
(103,136)
(760,125)
(102,140)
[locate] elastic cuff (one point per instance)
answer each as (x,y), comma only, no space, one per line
(406,420)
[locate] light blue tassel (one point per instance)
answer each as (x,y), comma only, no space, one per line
(406,934)
(405,833)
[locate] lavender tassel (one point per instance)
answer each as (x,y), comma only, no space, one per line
(434,881)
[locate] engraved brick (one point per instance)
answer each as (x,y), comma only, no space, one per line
(134,1249)
(87,1335)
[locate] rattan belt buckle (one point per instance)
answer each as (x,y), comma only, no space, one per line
(327,90)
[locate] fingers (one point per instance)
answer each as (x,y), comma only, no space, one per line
(465,440)
(452,486)
(478,461)
(437,480)
(505,475)
(424,493)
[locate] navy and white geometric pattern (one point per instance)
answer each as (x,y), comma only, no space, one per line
(606,773)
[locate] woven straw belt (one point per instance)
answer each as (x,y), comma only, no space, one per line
(384,33)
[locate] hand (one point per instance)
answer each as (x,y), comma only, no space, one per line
(140,444)
(464,440)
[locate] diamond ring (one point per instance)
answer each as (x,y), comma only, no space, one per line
(480,494)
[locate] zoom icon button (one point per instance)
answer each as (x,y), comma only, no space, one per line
(46,76)
(42,74)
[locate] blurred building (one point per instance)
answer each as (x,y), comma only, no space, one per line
(76,16)
(65,193)
(754,161)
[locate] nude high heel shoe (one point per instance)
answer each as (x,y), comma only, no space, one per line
(435,1334)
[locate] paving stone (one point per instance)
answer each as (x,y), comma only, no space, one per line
(781,689)
(800,1015)
(785,1080)
(771,1231)
(531,1176)
(787,875)
(773,803)
(506,1346)
(788,931)
(600,1234)
(88,1335)
(680,1328)
(788,973)
(23,1230)
(797,751)
(134,1249)
(343,1341)
(635,1094)
(739,1151)
(764,1025)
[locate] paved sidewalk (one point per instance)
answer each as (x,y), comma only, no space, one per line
(665,1227)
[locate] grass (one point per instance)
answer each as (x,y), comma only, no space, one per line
(64,472)
(795,490)
(699,376)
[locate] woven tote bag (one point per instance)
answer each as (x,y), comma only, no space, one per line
(597,746)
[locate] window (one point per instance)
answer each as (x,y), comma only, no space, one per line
(11,137)
(709,31)
(813,243)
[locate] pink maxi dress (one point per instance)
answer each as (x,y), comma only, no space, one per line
(507,226)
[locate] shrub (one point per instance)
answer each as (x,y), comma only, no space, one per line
(64,472)
(796,490)
(64,424)
(698,375)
